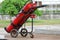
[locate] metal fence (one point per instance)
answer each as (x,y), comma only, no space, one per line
(43,16)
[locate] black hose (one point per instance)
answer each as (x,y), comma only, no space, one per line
(41,6)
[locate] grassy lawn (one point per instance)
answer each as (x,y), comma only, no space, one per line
(45,22)
(4,23)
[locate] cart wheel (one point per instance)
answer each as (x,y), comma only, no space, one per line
(24,32)
(14,33)
(31,35)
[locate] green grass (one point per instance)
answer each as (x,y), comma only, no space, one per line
(45,22)
(4,23)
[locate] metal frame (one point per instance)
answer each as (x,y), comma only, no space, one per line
(31,33)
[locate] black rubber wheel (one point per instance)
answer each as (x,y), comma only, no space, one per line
(31,35)
(14,33)
(24,32)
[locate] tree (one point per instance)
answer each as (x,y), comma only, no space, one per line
(12,7)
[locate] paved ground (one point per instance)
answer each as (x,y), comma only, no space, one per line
(36,37)
(41,32)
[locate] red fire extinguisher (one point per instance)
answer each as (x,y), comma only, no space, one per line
(23,15)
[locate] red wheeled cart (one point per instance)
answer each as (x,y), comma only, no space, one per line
(21,18)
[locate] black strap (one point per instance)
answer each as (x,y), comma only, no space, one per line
(18,25)
(13,25)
